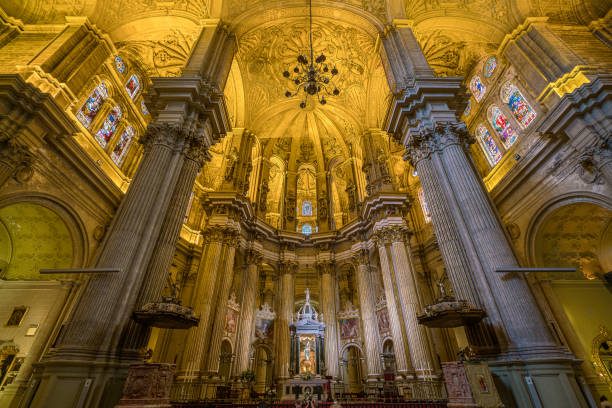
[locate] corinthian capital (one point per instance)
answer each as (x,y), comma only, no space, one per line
(168,134)
(361,257)
(325,267)
(196,147)
(286,267)
(253,257)
(452,133)
(418,148)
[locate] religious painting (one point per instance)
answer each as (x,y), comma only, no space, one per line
(308,354)
(349,328)
(383,320)
(263,328)
(17,316)
(231,317)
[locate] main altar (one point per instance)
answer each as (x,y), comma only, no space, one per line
(307,362)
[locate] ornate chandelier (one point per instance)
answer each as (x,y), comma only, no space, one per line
(312,77)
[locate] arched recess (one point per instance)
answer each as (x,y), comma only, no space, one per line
(388,357)
(275,199)
(262,367)
(44,234)
(352,368)
(574,231)
(225,359)
(306,188)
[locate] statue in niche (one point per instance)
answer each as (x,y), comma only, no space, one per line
(232,159)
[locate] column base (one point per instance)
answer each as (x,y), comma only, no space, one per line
(540,382)
(77,382)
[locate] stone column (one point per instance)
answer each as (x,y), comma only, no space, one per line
(367,305)
(285,318)
(247,312)
(227,276)
(136,335)
(328,308)
(102,310)
(458,267)
(203,295)
(409,301)
(401,361)
(523,321)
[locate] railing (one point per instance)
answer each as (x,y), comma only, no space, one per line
(196,393)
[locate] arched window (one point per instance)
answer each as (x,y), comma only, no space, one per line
(424,206)
(120,65)
(468,109)
(108,127)
(478,88)
(132,86)
(501,125)
(306,209)
(521,109)
(306,229)
(122,146)
(489,67)
(488,145)
(92,105)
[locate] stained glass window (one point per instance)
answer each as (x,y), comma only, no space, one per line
(488,145)
(133,86)
(501,125)
(120,65)
(521,109)
(307,229)
(490,67)
(92,105)
(122,146)
(108,127)
(143,108)
(468,109)
(478,88)
(306,209)
(424,206)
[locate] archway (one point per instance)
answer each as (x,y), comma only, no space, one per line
(263,369)
(226,360)
(388,359)
(33,237)
(352,369)
(576,234)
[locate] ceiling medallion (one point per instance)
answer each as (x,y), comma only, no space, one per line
(312,77)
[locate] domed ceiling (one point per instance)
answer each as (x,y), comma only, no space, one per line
(316,133)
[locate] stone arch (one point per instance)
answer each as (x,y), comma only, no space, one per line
(76,228)
(547,208)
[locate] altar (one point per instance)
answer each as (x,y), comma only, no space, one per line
(307,358)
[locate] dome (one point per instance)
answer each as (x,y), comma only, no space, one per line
(307,311)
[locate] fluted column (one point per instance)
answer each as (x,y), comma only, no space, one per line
(285,319)
(401,361)
(214,351)
(458,267)
(102,311)
(136,335)
(409,301)
(203,295)
(368,315)
(247,312)
(328,308)
(523,320)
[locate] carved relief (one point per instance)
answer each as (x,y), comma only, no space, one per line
(165,57)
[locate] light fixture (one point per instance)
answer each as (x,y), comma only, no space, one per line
(314,76)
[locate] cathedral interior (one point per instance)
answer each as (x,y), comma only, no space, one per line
(418,213)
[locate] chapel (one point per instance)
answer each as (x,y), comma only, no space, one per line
(305,203)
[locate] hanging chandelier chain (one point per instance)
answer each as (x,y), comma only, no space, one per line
(311,76)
